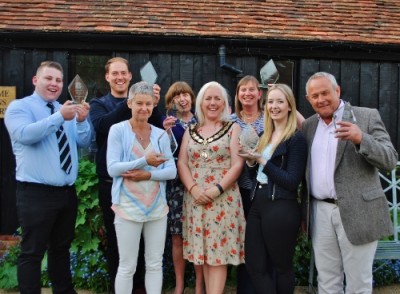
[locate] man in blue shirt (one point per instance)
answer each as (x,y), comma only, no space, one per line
(45,136)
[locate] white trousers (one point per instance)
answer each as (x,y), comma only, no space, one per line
(128,238)
(336,257)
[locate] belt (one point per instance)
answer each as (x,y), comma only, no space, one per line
(328,200)
(44,186)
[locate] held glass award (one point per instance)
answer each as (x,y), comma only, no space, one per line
(173,111)
(78,90)
(172,142)
(148,73)
(249,140)
(269,74)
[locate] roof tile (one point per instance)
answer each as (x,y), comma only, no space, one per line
(362,21)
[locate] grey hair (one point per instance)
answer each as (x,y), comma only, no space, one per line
(140,88)
(323,74)
(200,97)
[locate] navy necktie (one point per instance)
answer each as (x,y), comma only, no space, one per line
(63,146)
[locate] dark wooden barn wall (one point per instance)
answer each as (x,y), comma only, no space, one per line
(365,83)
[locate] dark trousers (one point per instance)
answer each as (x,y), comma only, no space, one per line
(112,255)
(271,234)
(47,217)
(244,283)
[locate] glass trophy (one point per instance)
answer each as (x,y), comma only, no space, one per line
(269,74)
(249,140)
(173,111)
(172,141)
(148,73)
(348,115)
(78,90)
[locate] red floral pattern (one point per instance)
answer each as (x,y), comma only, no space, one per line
(213,233)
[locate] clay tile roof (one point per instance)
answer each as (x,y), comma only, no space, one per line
(359,21)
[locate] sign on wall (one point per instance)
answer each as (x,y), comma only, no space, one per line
(7,94)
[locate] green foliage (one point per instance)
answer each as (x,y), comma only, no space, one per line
(8,265)
(386,272)
(301,260)
(89,271)
(89,222)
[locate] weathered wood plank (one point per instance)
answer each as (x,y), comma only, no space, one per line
(307,68)
(350,81)
(369,78)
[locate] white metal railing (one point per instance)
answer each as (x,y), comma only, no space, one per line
(393,185)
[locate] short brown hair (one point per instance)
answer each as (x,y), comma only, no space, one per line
(49,63)
(176,89)
(115,59)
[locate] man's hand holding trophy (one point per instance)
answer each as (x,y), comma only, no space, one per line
(79,92)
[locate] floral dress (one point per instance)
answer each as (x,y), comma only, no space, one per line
(212,233)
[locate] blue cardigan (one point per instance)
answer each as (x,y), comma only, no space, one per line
(120,143)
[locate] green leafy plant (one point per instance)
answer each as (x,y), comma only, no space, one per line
(8,265)
(301,260)
(89,232)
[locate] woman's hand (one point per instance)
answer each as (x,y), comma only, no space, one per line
(155,159)
(169,122)
(213,192)
(200,196)
(251,157)
(137,175)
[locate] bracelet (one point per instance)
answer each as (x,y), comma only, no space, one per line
(253,165)
(221,190)
(190,190)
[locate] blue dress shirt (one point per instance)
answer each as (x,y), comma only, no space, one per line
(33,137)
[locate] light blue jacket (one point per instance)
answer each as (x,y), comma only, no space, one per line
(120,143)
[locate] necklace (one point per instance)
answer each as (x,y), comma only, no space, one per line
(249,117)
(195,133)
(144,132)
(185,122)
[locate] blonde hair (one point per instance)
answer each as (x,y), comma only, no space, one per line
(200,97)
(269,127)
(244,81)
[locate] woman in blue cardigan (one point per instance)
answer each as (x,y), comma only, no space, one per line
(139,159)
(277,168)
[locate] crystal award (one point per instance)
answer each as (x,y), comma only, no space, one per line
(173,111)
(249,140)
(148,73)
(78,90)
(172,141)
